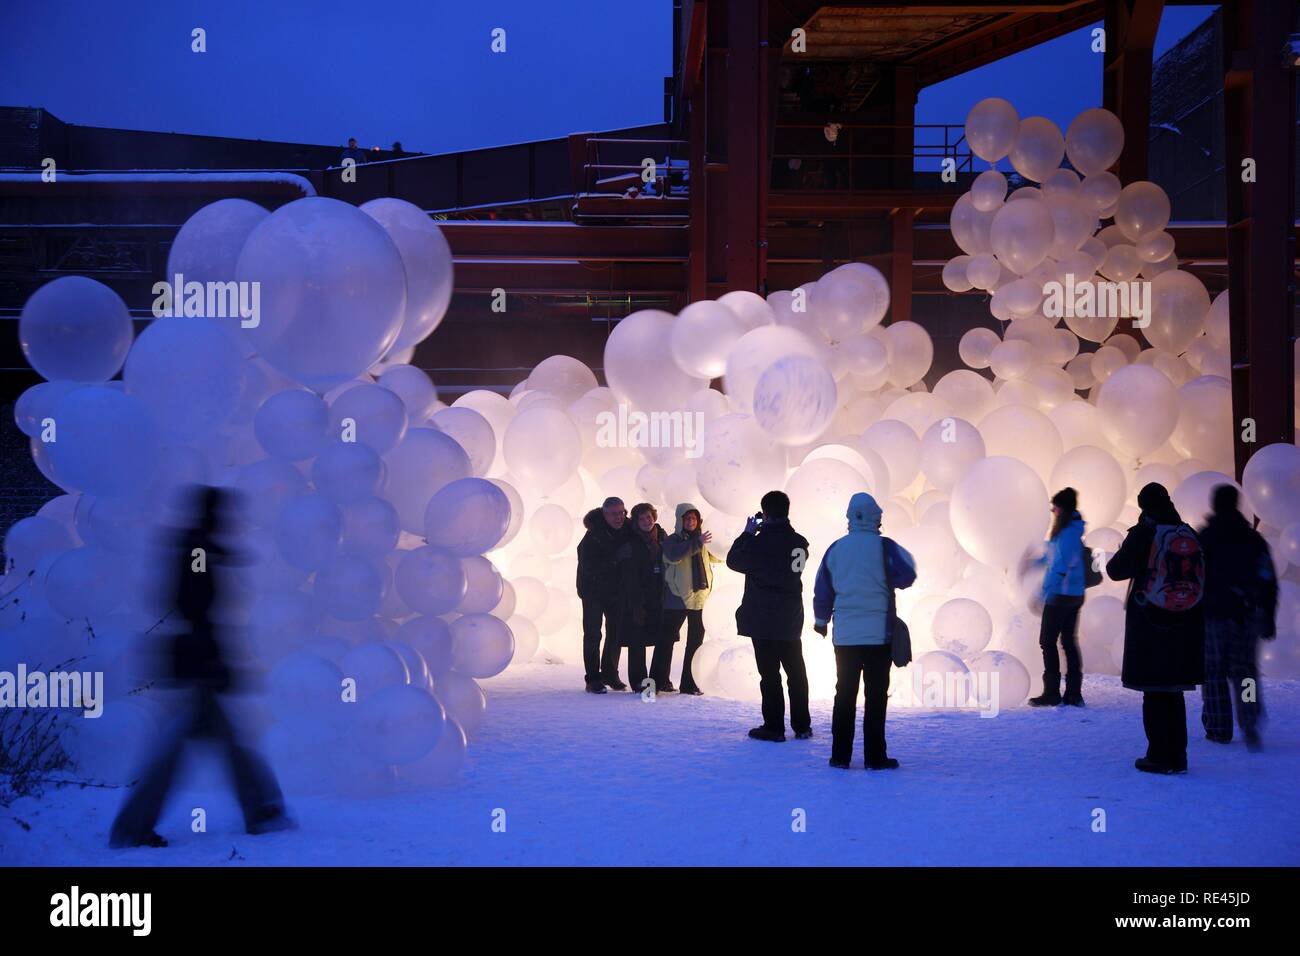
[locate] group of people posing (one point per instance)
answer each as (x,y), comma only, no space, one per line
(1197,604)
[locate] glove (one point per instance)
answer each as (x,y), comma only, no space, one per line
(820,628)
(751,525)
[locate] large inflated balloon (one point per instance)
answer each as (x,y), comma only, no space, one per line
(467,517)
(75,328)
(794,400)
(639,364)
(423,461)
(991,128)
(739,464)
(755,353)
(1094,140)
(1038,149)
(1021,234)
(542,446)
(426,260)
(1098,478)
(333,290)
(1179,305)
(1139,409)
(998,510)
(105,442)
(1272,482)
(702,336)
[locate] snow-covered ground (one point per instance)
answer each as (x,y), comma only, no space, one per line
(616,780)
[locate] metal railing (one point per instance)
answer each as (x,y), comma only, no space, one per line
(854,160)
(672,171)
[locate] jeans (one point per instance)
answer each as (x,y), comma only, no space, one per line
(1059,623)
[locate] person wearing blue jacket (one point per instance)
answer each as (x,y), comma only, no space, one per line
(855,587)
(1062,597)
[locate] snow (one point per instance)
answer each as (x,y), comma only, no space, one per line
(612,779)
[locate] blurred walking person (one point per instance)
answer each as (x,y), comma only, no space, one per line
(601,593)
(1164,624)
(198,663)
(1240,605)
(1061,593)
(688,580)
(641,573)
(771,555)
(855,590)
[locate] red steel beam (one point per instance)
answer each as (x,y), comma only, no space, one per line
(747,168)
(1259,115)
(1131,27)
(566,240)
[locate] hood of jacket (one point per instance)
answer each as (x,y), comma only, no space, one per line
(682,509)
(594,520)
(863,513)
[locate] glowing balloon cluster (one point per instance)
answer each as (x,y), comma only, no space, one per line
(365,590)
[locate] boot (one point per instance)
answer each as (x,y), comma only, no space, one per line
(1048,698)
(889,763)
(762,733)
(596,687)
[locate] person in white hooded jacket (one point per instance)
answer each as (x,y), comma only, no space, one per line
(855,587)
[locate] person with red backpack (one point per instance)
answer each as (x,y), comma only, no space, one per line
(1164,625)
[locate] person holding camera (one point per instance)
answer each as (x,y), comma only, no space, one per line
(771,555)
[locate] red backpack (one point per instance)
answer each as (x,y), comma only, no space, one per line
(1175,577)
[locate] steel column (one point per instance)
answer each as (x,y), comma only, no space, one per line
(1259,116)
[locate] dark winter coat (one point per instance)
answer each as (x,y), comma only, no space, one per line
(1240,579)
(1163,650)
(196,654)
(598,578)
(772,561)
(641,573)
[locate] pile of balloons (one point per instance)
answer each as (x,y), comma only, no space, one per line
(365,605)
(821,399)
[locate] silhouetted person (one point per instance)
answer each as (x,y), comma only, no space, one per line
(1062,596)
(353,152)
(855,588)
(688,580)
(199,669)
(601,592)
(1240,604)
(1164,624)
(771,555)
(641,573)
